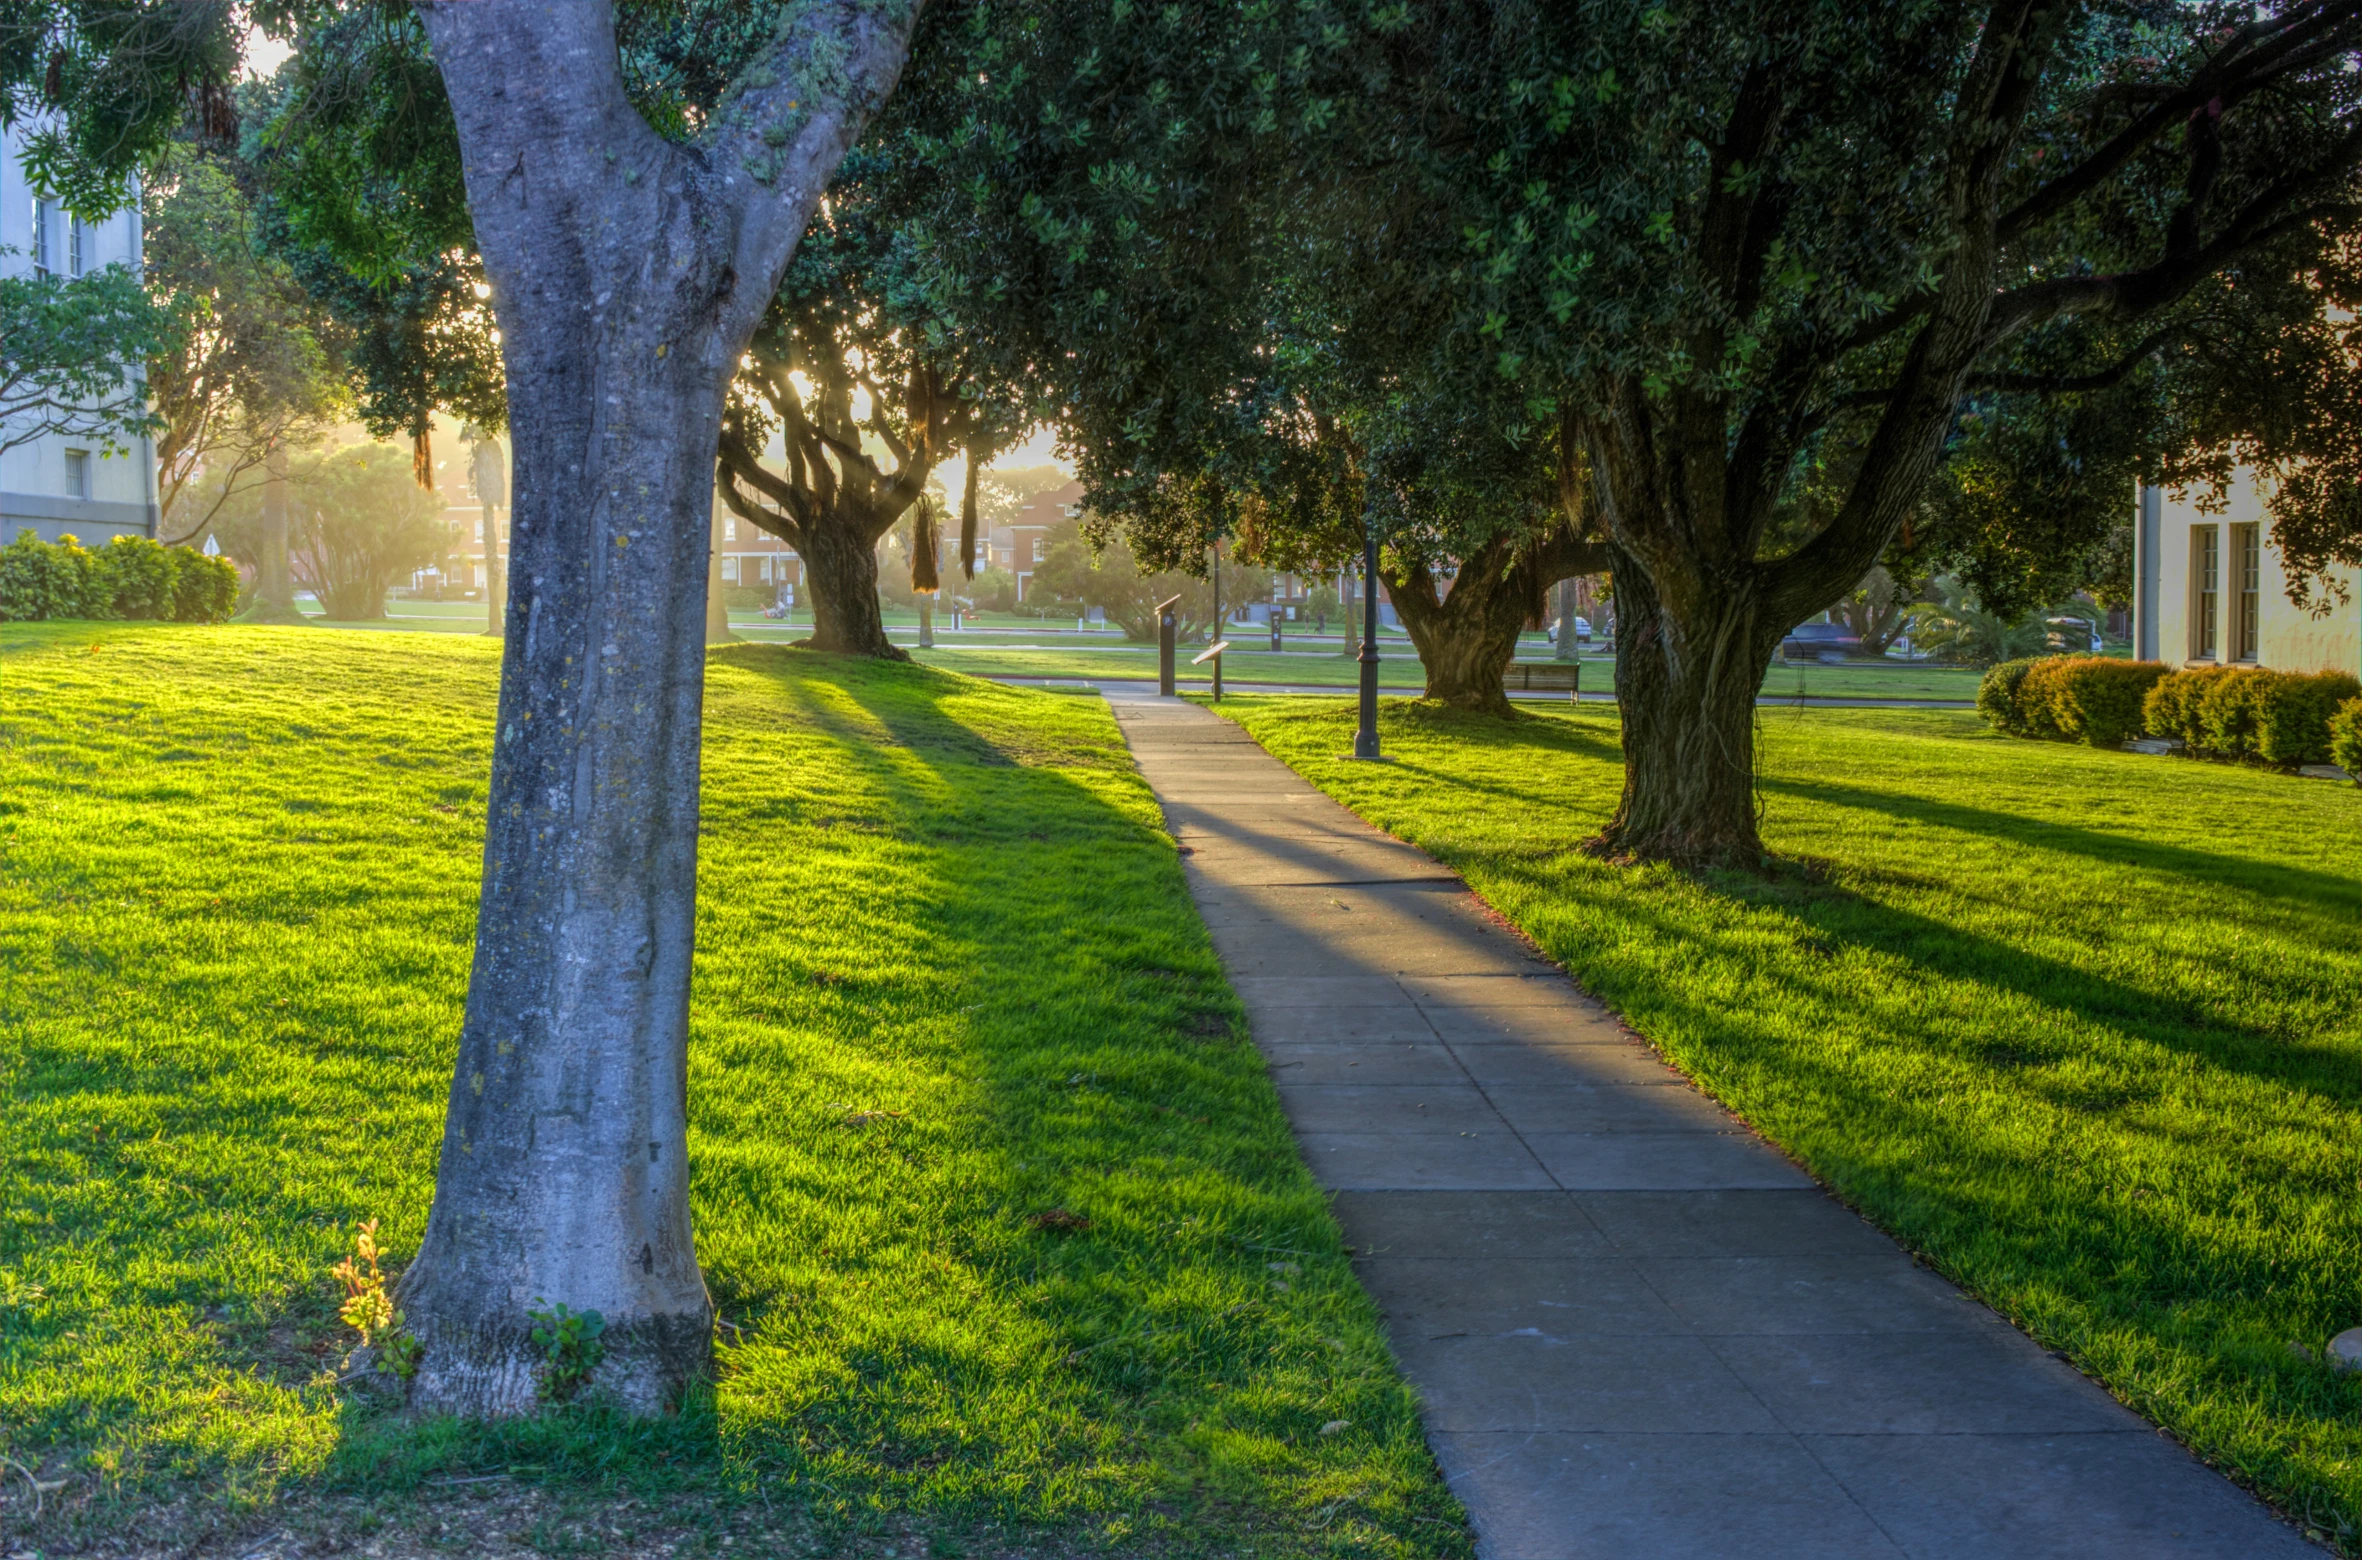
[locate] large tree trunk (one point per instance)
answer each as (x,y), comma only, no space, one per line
(564,1176)
(1466,633)
(1467,636)
(274,574)
(1687,682)
(841,566)
(627,277)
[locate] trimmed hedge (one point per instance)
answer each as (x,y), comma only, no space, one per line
(2171,709)
(1997,695)
(2345,738)
(2099,699)
(2292,715)
(2039,696)
(2091,697)
(2282,718)
(131,577)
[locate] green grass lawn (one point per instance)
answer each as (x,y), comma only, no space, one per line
(1003,645)
(950,980)
(2083,1027)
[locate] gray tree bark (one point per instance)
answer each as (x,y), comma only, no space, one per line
(274,582)
(627,276)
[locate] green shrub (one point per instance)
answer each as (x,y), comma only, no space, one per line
(61,579)
(2227,713)
(130,577)
(1997,695)
(2292,715)
(2282,718)
(2041,693)
(2345,737)
(38,581)
(2171,708)
(205,590)
(2095,697)
(138,571)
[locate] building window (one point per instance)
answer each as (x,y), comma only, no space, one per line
(74,232)
(729,530)
(78,473)
(41,210)
(2247,579)
(730,571)
(2205,590)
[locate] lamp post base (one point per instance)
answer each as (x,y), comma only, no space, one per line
(1365,741)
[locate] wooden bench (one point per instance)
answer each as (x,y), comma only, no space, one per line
(1546,676)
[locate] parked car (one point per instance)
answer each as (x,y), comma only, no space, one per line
(2070,635)
(1820,642)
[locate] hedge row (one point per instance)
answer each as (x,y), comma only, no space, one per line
(130,577)
(2284,718)
(2091,697)
(2248,712)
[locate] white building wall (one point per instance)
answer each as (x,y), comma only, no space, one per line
(2289,638)
(34,491)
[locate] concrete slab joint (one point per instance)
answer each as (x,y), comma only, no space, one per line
(1636,1329)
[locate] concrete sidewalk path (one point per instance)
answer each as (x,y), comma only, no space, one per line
(1637,1330)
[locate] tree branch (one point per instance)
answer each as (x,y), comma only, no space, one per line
(2251,58)
(791,116)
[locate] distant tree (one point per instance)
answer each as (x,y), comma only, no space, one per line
(993,590)
(249,371)
(867,403)
(1877,611)
(1771,271)
(358,524)
(1108,576)
(361,200)
(1956,627)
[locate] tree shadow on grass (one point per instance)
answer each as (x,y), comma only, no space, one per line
(949,981)
(2265,879)
(1055,1036)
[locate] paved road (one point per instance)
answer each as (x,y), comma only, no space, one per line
(1638,1331)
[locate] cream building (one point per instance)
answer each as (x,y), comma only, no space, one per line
(55,485)
(2208,589)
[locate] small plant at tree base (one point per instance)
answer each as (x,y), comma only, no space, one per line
(569,1340)
(369,1310)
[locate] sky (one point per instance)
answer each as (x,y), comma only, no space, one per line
(264,55)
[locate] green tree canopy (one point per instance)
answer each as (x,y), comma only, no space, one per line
(358,525)
(250,369)
(74,352)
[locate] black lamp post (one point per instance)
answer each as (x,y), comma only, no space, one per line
(1217,574)
(1365,741)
